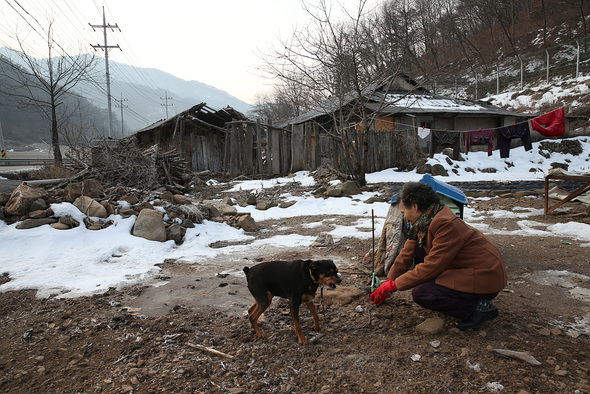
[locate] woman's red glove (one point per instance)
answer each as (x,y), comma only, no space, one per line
(383,292)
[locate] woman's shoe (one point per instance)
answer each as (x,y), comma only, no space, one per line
(477,319)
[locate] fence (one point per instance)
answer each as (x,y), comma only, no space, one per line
(566,60)
(252,148)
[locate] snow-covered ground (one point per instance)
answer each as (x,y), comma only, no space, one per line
(80,262)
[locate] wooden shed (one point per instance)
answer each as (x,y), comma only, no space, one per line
(397,108)
(199,134)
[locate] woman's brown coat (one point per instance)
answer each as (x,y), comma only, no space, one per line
(457,256)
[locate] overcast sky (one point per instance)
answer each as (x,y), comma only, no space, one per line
(214,42)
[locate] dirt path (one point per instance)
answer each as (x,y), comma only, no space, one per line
(142,339)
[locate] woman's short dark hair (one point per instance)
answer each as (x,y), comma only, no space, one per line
(419,193)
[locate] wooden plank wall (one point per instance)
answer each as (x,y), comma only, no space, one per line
(253,148)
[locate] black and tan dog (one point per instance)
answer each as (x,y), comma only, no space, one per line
(296,280)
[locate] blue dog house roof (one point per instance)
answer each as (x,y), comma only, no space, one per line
(440,187)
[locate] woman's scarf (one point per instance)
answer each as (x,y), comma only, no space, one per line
(423,222)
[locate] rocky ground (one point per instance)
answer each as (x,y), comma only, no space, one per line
(190,333)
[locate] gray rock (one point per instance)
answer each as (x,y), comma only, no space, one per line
(431,326)
(38,205)
(181,199)
(438,169)
(90,207)
(69,221)
(286,204)
(130,198)
(247,223)
(350,188)
(60,226)
(4,197)
(262,205)
(89,187)
(32,223)
(323,240)
(334,191)
(175,232)
(219,208)
(21,199)
(41,213)
(187,223)
(251,199)
(150,225)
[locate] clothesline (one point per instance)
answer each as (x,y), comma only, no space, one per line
(408,127)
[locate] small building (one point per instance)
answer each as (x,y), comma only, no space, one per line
(198,134)
(394,110)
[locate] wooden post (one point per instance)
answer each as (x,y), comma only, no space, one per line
(286,149)
(234,149)
(226,150)
(269,151)
(297,147)
(248,150)
(258,134)
(316,147)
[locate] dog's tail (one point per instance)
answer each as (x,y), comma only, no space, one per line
(246,269)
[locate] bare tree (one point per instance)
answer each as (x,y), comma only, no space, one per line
(45,84)
(336,63)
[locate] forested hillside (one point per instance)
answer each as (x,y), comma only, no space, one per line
(465,48)
(24,122)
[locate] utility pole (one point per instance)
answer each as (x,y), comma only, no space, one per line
(121,105)
(106,48)
(166,105)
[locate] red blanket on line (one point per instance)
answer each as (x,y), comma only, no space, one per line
(551,124)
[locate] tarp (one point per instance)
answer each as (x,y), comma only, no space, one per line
(454,193)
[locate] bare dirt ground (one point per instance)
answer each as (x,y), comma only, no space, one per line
(145,339)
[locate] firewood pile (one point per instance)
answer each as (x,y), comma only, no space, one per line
(124,163)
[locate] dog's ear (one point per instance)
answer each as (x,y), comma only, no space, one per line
(313,267)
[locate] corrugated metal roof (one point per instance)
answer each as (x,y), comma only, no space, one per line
(418,101)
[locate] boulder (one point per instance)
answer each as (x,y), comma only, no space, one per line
(60,226)
(38,205)
(90,207)
(247,223)
(431,326)
(187,223)
(323,240)
(130,198)
(89,187)
(40,213)
(167,196)
(175,233)
(92,188)
(219,208)
(126,212)
(150,225)
(32,223)
(69,221)
(22,198)
(286,204)
(438,169)
(263,205)
(142,206)
(251,199)
(4,197)
(334,191)
(181,199)
(350,188)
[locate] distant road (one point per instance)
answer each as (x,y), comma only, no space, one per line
(8,185)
